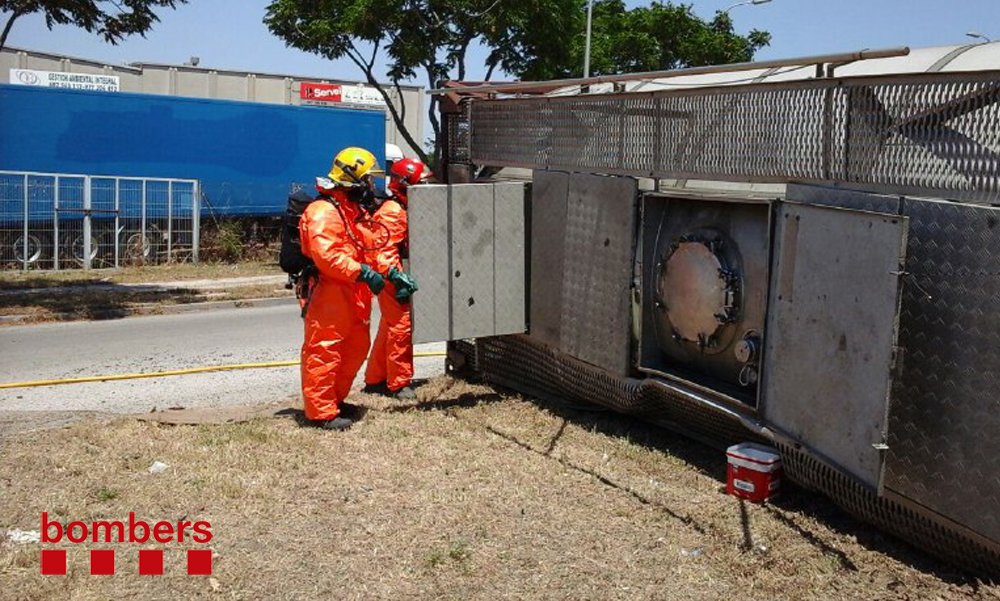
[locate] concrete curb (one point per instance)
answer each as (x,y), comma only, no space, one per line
(247,303)
(158,309)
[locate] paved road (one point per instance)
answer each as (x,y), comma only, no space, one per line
(157,343)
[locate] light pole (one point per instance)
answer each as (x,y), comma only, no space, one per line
(744,3)
(979,36)
(586,46)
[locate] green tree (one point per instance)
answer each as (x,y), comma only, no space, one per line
(111,19)
(428,39)
(660,36)
(529,40)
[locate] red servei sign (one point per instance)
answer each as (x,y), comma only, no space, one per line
(322,92)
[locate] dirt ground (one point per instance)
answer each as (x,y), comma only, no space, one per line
(467,493)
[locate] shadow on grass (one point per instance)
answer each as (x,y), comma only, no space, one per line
(85,299)
(351,411)
(40,282)
(794,503)
(466,400)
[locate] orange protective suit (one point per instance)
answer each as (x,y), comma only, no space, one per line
(338,317)
(391,359)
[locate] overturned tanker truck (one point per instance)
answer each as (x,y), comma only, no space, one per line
(805,252)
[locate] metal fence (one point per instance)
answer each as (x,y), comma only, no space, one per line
(59,220)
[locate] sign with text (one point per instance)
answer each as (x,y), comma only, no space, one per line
(71,81)
(356,95)
(319,92)
(362,95)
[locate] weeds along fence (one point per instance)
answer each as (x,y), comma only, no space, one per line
(230,239)
(61,220)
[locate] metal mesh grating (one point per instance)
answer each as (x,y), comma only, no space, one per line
(519,363)
(522,364)
(904,521)
(929,132)
(457,127)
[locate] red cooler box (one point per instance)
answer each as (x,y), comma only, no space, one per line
(754,472)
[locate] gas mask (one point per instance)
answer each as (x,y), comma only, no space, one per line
(363,193)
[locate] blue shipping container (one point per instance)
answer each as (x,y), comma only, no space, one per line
(246,155)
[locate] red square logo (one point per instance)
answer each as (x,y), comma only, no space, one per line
(151,562)
(102,562)
(199,562)
(53,562)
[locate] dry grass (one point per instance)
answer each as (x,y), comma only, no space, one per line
(113,302)
(135,275)
(466,494)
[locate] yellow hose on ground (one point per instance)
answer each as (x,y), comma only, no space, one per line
(174,372)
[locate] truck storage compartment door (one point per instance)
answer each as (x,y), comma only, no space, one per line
(831,332)
(582,251)
(468,255)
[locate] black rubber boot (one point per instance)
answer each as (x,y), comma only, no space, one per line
(405,394)
(379,388)
(353,412)
(337,423)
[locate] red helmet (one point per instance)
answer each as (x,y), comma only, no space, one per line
(405,173)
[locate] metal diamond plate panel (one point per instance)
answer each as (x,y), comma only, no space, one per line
(471,260)
(548,228)
(916,133)
(430,262)
(944,448)
(847,199)
(509,257)
(597,275)
(831,331)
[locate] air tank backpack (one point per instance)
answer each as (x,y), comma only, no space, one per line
(291,259)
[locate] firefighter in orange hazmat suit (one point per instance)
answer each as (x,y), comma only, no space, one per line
(338,311)
(390,364)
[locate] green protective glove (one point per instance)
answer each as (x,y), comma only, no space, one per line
(404,283)
(371,277)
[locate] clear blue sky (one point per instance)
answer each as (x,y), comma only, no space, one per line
(228,34)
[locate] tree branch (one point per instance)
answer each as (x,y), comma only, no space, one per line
(399,94)
(483,13)
(432,114)
(355,56)
(7,27)
(460,55)
(371,61)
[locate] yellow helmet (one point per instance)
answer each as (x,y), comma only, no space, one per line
(352,164)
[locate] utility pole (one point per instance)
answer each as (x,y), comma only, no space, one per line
(586,47)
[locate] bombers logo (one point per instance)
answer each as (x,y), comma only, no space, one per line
(102,561)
